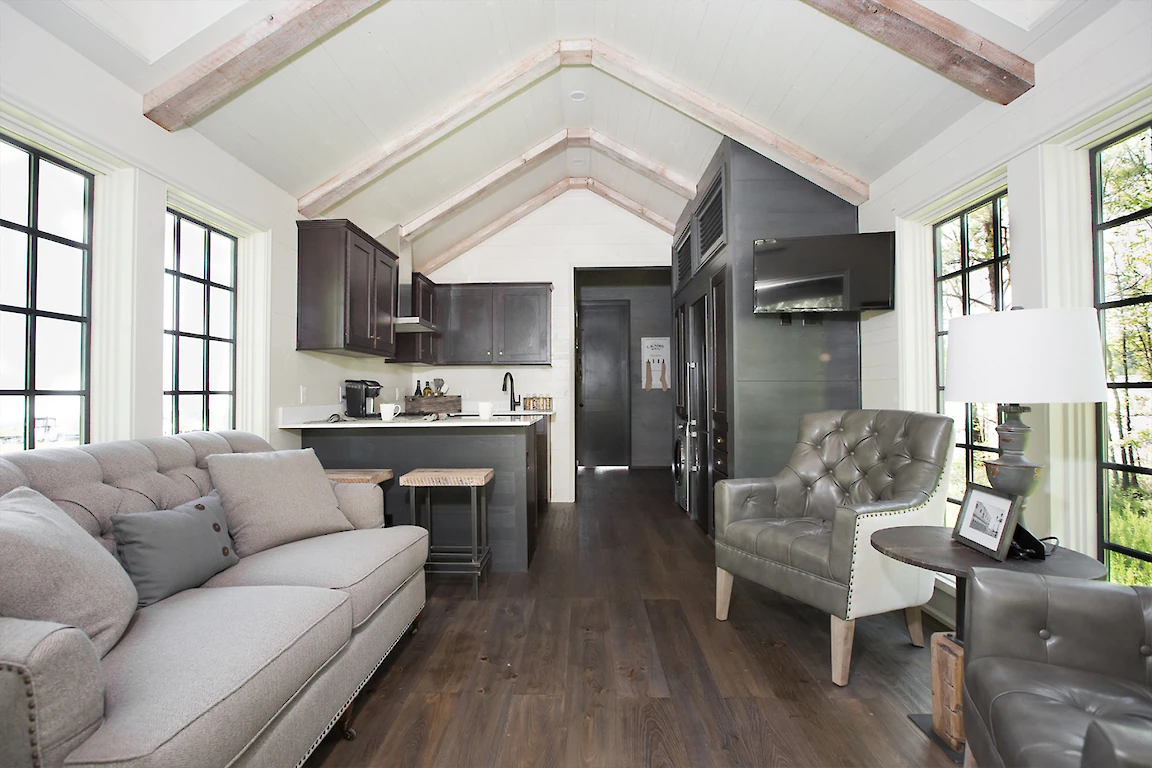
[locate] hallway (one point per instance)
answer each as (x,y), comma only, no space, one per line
(607,653)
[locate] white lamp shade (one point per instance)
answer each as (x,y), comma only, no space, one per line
(1026,356)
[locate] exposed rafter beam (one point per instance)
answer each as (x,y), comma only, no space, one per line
(632,159)
(727,122)
(938,43)
(520,211)
(626,203)
(421,136)
(550,147)
(245,58)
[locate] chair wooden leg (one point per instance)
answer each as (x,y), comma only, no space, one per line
(842,632)
(723,593)
(915,620)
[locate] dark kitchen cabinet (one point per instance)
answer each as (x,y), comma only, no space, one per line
(423,298)
(346,290)
(467,331)
(719,352)
(521,324)
(420,347)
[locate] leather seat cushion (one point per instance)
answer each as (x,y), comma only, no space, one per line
(804,543)
(1038,714)
(369,565)
(198,675)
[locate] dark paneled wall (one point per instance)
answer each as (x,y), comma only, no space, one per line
(649,293)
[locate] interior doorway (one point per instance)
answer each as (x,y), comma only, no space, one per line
(603,407)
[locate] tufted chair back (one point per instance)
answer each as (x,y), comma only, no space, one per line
(844,458)
(93,482)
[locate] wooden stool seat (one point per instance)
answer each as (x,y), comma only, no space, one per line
(368,476)
(433,478)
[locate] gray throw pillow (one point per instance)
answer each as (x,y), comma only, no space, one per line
(171,550)
(275,497)
(52,570)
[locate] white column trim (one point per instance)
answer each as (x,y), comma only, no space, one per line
(254,333)
(916,320)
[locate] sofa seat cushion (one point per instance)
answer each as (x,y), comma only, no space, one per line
(804,543)
(198,675)
(1038,714)
(370,565)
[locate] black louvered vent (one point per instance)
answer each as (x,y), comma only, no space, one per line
(712,221)
(684,259)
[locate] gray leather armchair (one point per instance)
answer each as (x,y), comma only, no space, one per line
(806,532)
(1057,672)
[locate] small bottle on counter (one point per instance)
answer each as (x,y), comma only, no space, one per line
(427,390)
(417,392)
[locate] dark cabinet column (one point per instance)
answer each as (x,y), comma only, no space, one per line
(522,323)
(468,331)
(719,342)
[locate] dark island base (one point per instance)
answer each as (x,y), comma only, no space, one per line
(516,497)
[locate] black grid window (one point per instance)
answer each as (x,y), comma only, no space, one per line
(45,290)
(972,277)
(1122,224)
(199,326)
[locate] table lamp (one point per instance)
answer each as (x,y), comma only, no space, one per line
(1024,356)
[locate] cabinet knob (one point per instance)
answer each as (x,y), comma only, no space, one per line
(501,351)
(489,353)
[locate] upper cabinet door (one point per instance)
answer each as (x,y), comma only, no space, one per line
(523,323)
(423,298)
(360,291)
(467,335)
(384,299)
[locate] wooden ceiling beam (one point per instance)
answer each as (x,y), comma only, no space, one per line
(421,136)
(627,203)
(245,58)
(633,160)
(940,44)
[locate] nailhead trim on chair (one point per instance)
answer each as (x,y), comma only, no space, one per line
(26,677)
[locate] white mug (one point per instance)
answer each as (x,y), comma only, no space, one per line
(389,411)
(485,410)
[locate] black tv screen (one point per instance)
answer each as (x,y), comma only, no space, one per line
(833,273)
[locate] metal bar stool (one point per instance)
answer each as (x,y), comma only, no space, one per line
(457,559)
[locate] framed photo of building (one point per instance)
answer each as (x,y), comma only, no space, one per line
(987,520)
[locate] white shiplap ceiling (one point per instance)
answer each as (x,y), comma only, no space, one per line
(846,98)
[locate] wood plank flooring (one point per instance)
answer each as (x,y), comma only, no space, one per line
(607,653)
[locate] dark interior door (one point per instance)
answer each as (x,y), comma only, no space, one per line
(603,413)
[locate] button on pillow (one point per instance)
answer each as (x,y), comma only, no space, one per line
(172,550)
(275,497)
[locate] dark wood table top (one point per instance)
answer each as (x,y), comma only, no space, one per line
(932,547)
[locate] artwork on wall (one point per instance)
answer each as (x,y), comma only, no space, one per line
(654,359)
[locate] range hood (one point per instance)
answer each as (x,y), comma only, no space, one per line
(405,322)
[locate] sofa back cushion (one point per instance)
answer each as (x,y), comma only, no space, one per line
(274,498)
(54,571)
(94,482)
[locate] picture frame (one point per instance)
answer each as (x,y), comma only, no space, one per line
(987,520)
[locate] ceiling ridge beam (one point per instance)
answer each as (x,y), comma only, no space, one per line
(728,122)
(423,135)
(632,160)
(246,58)
(553,145)
(938,43)
(627,203)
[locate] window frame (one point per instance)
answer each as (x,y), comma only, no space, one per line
(1103,465)
(206,392)
(31,314)
(964,441)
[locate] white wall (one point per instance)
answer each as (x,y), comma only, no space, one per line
(1093,85)
(49,86)
(577,229)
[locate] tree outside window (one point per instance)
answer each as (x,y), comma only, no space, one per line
(1122,215)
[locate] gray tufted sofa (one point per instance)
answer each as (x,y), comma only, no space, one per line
(806,532)
(1057,672)
(252,669)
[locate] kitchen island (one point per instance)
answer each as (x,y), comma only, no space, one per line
(516,447)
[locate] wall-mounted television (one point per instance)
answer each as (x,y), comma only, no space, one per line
(833,273)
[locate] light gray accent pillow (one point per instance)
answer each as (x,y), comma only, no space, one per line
(54,571)
(361,503)
(171,550)
(275,497)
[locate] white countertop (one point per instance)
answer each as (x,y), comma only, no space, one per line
(418,422)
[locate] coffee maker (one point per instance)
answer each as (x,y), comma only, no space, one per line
(360,398)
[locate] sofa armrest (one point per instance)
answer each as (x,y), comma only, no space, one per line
(1089,625)
(743,499)
(361,503)
(845,520)
(1112,744)
(51,691)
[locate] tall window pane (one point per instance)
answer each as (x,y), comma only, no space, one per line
(972,277)
(199,326)
(45,288)
(1122,217)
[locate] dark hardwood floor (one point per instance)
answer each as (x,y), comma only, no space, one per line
(607,653)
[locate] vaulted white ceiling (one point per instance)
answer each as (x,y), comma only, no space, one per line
(839,94)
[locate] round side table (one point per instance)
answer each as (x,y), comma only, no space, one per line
(932,547)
